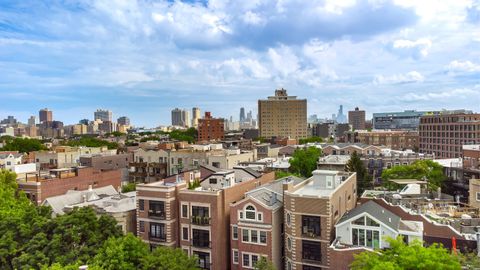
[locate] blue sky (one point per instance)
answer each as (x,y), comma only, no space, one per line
(143,58)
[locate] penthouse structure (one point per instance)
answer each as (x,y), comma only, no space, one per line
(191,210)
(445,134)
(282,116)
(311,209)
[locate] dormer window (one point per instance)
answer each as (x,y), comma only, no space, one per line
(250,212)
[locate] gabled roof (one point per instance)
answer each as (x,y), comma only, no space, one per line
(375,210)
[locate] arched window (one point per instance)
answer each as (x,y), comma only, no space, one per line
(250,212)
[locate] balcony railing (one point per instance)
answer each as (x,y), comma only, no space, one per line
(158,238)
(310,234)
(155,214)
(199,220)
(201,243)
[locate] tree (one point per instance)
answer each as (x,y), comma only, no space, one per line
(264,264)
(403,256)
(304,161)
(89,141)
(420,169)
(129,187)
(364,180)
(164,258)
(282,174)
(311,140)
(22,145)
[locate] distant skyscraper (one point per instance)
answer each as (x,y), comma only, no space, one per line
(195,116)
(125,121)
(356,118)
(242,115)
(32,121)
(341,118)
(84,122)
(180,118)
(104,115)
(282,116)
(45,115)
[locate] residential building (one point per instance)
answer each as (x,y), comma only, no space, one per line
(124,121)
(406,120)
(394,139)
(195,116)
(197,219)
(45,115)
(32,121)
(356,119)
(79,129)
(210,129)
(64,156)
(265,150)
(256,226)
(103,115)
(445,134)
(312,208)
(8,160)
(282,116)
(44,184)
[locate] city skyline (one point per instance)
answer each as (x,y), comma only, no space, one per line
(142,59)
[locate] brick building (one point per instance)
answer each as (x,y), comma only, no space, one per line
(39,186)
(210,129)
(356,119)
(312,207)
(396,140)
(445,134)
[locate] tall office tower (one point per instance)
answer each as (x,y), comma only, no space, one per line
(187,121)
(249,116)
(45,115)
(242,115)
(282,116)
(84,122)
(125,121)
(341,118)
(177,117)
(104,115)
(32,121)
(356,118)
(195,116)
(445,134)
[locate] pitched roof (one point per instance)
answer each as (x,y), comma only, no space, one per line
(375,210)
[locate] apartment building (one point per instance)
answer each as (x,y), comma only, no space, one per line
(256,226)
(191,210)
(210,129)
(282,116)
(445,134)
(311,209)
(41,185)
(395,139)
(356,119)
(65,156)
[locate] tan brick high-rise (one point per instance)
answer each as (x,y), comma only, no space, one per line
(282,116)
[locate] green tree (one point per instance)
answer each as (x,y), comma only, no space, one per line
(364,180)
(22,145)
(122,253)
(402,256)
(469,261)
(304,161)
(164,258)
(282,174)
(90,141)
(420,169)
(129,187)
(264,264)
(313,139)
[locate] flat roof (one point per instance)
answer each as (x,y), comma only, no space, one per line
(408,181)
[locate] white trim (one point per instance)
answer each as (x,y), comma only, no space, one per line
(365,214)
(181,210)
(233,256)
(156,199)
(188,233)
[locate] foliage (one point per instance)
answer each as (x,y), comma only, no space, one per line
(22,145)
(163,258)
(195,184)
(469,261)
(115,134)
(364,180)
(419,169)
(129,187)
(264,264)
(260,140)
(313,139)
(282,174)
(304,161)
(89,141)
(403,256)
(188,135)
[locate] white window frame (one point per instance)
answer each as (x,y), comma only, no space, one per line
(478,198)
(188,210)
(233,228)
(250,261)
(188,233)
(233,256)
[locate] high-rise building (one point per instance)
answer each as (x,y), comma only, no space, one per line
(341,118)
(84,122)
(32,121)
(45,115)
(282,116)
(242,115)
(104,115)
(356,118)
(409,119)
(195,116)
(445,134)
(210,128)
(181,118)
(125,121)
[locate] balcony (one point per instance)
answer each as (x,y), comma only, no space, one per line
(202,221)
(156,214)
(201,243)
(157,238)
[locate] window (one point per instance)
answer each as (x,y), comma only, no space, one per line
(289,243)
(246,260)
(371,222)
(235,256)
(250,212)
(311,251)
(245,235)
(185,233)
(203,259)
(254,236)
(234,232)
(200,211)
(289,265)
(254,259)
(478,196)
(141,205)
(366,238)
(240,215)
(263,237)
(360,221)
(289,219)
(142,226)
(157,231)
(213,181)
(201,238)
(156,209)
(311,226)
(184,211)
(259,216)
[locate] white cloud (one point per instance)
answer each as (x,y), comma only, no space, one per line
(460,93)
(412,48)
(409,77)
(457,66)
(284,60)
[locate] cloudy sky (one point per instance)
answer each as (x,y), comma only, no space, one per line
(143,58)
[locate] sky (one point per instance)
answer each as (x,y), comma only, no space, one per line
(144,58)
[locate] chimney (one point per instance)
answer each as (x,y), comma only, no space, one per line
(90,188)
(273,198)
